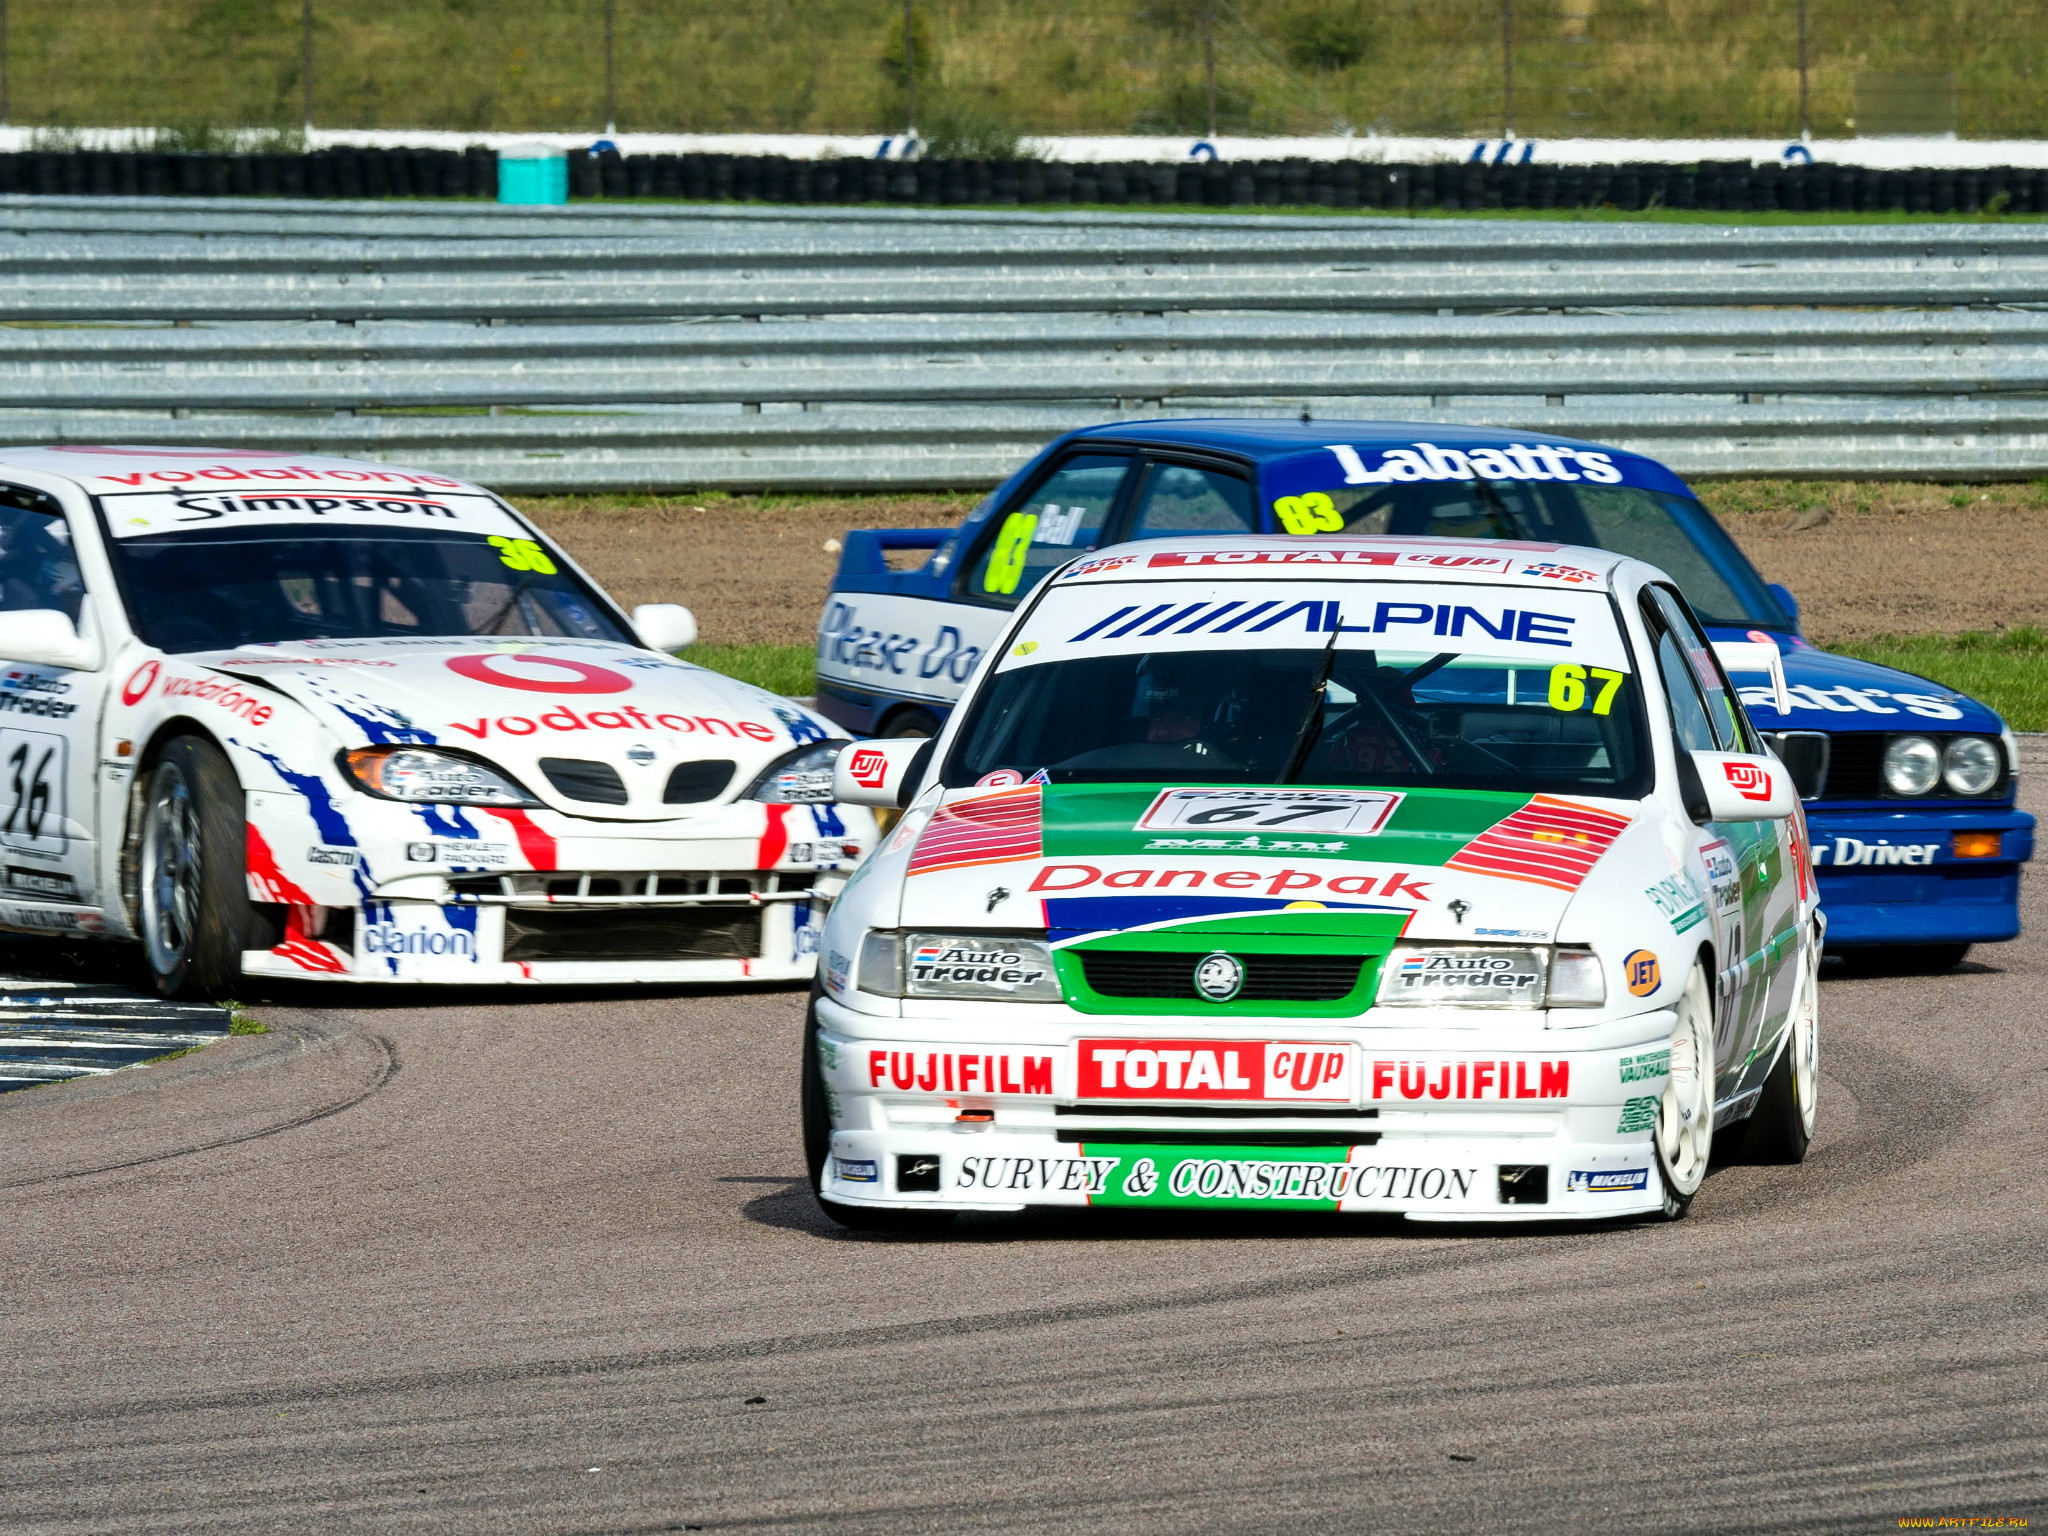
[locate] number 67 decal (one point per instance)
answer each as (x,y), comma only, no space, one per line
(1569,690)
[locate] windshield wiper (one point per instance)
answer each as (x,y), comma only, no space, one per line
(490,625)
(1312,717)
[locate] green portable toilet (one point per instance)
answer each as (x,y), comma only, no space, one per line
(533,173)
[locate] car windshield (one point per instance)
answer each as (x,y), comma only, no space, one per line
(216,588)
(1370,702)
(1674,533)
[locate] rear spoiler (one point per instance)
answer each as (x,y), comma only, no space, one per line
(1757,656)
(865,553)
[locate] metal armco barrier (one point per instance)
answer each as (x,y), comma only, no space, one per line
(775,347)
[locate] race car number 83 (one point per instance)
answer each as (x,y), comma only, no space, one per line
(1310,513)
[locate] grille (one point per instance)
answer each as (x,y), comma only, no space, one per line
(1855,761)
(1267,978)
(661,933)
(581,779)
(627,885)
(694,783)
(1805,756)
(1207,1125)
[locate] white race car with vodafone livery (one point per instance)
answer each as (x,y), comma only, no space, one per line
(284,715)
(1402,875)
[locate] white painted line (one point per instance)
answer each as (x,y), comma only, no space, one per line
(68,1015)
(132,1043)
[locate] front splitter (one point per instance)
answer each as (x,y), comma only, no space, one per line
(1417,1176)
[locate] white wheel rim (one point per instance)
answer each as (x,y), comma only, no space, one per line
(170,871)
(1685,1117)
(1805,1046)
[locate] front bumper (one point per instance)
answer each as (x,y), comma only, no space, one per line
(735,892)
(1891,876)
(1496,1123)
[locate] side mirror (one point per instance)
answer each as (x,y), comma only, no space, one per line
(44,637)
(1744,788)
(1786,601)
(665,626)
(880,773)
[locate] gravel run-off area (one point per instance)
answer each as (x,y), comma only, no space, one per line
(1864,558)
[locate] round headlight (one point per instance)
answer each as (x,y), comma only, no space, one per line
(1971,765)
(1911,765)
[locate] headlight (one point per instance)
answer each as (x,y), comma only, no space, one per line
(804,777)
(1911,765)
(1466,976)
(424,774)
(1577,980)
(960,965)
(1971,765)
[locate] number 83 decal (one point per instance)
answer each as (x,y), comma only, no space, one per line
(1310,513)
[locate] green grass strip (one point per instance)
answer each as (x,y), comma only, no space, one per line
(783,669)
(2007,670)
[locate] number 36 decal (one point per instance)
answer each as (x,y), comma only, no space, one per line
(32,775)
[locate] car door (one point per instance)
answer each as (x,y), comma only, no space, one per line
(49,720)
(1065,513)
(1748,863)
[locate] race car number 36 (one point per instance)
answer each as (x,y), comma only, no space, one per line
(1358,812)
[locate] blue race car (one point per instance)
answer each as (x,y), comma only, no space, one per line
(1908,786)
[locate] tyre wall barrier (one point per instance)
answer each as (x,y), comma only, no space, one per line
(1730,186)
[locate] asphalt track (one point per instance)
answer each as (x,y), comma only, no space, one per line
(508,1264)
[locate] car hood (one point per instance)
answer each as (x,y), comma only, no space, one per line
(1083,860)
(514,703)
(1840,693)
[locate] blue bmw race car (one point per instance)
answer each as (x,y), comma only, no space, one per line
(1908,786)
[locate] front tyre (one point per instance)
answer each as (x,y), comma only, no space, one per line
(1782,1125)
(1684,1135)
(196,915)
(817,1118)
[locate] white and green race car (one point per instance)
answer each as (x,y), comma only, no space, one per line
(1394,875)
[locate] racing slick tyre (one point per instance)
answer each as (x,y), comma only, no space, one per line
(817,1117)
(1782,1124)
(193,874)
(1903,959)
(1684,1135)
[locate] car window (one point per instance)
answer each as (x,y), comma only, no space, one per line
(1178,498)
(1060,519)
(1674,533)
(1723,712)
(1688,710)
(1458,509)
(218,588)
(37,566)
